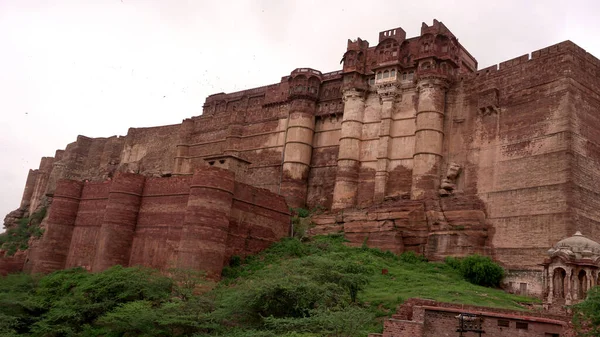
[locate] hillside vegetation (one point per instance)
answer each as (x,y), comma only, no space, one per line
(314,288)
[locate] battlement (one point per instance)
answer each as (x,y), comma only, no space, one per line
(437,28)
(559,48)
(306,71)
(397,34)
(358,44)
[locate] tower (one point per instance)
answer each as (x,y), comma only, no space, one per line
(437,60)
(390,53)
(304,86)
(354,87)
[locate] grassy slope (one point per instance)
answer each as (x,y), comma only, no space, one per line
(435,281)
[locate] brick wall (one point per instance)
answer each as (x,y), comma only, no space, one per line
(426,318)
(195,222)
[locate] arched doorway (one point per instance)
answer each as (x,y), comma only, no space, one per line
(582,284)
(558,283)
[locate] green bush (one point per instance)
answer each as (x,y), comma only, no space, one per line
(481,270)
(17,238)
(586,315)
(412,257)
(453,262)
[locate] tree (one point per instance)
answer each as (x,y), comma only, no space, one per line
(586,315)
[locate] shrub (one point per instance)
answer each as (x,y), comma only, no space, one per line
(481,270)
(453,262)
(412,257)
(17,238)
(586,318)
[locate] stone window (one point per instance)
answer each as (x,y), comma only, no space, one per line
(504,323)
(393,73)
(523,288)
(379,75)
(522,325)
(386,74)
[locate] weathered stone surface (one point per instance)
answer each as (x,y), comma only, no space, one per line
(512,147)
(190,222)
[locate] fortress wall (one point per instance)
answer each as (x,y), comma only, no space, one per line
(321,179)
(258,218)
(90,214)
(150,150)
(369,142)
(515,155)
(115,236)
(159,223)
(402,144)
(585,103)
(53,248)
(206,223)
(186,221)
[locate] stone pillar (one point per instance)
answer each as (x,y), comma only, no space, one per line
(120,218)
(298,151)
(348,161)
(203,244)
(429,137)
(387,92)
(549,281)
(569,286)
(51,253)
(182,159)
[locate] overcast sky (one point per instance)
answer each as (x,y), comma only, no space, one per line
(98,67)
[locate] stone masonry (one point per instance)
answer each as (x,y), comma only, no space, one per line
(408,146)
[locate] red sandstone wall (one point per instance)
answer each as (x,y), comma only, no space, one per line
(417,317)
(160,220)
(195,222)
(258,218)
(516,157)
(584,102)
(51,252)
(90,215)
(150,151)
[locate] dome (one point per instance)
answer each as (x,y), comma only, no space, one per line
(578,245)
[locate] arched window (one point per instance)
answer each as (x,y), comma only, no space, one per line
(386,74)
(379,75)
(558,283)
(393,73)
(582,285)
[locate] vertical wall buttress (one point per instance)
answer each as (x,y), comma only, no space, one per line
(429,137)
(203,244)
(348,164)
(120,219)
(51,253)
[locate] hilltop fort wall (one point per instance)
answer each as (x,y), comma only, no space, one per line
(195,221)
(408,146)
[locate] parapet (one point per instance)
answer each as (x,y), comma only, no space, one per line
(397,34)
(436,28)
(358,44)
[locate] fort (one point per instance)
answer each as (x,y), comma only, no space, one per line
(408,147)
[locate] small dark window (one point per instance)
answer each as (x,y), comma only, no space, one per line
(504,323)
(522,325)
(547,334)
(222,161)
